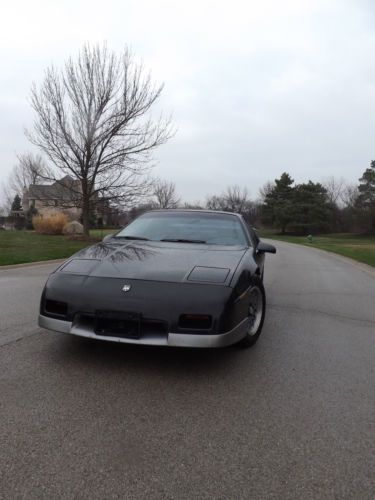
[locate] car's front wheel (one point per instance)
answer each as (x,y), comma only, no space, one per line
(256,313)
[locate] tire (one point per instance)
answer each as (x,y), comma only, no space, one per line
(257,310)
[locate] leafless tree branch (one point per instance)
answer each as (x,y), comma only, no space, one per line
(164,193)
(94,122)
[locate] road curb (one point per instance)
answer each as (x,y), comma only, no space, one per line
(32,264)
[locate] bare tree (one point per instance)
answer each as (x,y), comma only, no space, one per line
(236,199)
(197,205)
(165,194)
(93,122)
(7,195)
(233,199)
(3,211)
(265,190)
(30,169)
(335,188)
(349,195)
(215,202)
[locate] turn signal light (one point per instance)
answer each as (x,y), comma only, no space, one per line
(56,307)
(195,321)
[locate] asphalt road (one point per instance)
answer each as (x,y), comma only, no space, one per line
(292,418)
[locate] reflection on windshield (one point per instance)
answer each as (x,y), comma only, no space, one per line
(213,229)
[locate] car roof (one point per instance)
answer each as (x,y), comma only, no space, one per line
(193,210)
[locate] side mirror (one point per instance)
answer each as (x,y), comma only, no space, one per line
(107,237)
(265,248)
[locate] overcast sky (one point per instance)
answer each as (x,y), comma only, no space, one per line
(255,87)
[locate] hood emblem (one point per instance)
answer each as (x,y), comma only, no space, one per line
(126,288)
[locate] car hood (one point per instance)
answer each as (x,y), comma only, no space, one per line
(157,261)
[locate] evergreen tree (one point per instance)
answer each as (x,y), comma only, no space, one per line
(311,208)
(366,199)
(278,203)
(16,204)
(303,208)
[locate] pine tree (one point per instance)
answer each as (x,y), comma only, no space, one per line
(311,208)
(16,204)
(366,199)
(278,204)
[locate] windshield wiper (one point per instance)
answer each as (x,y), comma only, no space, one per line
(133,238)
(181,240)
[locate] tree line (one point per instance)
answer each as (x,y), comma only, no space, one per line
(311,207)
(331,206)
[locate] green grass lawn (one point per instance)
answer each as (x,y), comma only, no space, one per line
(357,247)
(18,247)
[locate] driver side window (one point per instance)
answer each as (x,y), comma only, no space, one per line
(253,236)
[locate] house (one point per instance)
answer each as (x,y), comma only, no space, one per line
(63,195)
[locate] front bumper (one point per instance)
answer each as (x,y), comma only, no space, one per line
(168,339)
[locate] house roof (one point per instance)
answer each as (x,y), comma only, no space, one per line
(66,188)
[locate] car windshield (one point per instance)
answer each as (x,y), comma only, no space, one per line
(187,227)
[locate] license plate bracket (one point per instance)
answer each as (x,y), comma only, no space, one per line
(118,324)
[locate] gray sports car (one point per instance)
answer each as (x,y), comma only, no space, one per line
(191,278)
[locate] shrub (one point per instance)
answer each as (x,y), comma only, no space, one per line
(49,224)
(73,227)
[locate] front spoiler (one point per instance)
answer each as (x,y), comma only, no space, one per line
(170,339)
